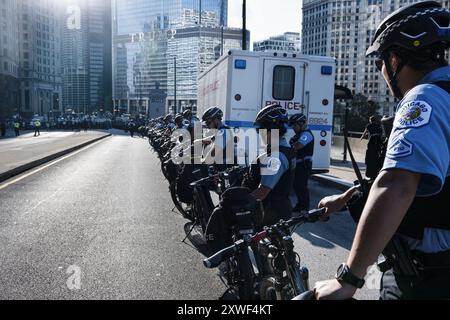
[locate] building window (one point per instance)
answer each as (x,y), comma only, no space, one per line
(283,83)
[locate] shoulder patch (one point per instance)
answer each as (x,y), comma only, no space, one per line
(413,114)
(399,148)
(270,166)
(274,164)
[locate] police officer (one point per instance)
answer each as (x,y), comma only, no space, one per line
(219,134)
(408,201)
(17,128)
(179,122)
(188,117)
(272,176)
(303,144)
(37,128)
(169,124)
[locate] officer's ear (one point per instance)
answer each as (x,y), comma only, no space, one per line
(394,60)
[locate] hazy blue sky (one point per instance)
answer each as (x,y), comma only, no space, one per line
(266,17)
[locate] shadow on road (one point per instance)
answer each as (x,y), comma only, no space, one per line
(338,231)
(196,239)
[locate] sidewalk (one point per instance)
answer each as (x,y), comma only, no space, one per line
(341,173)
(10,134)
(26,151)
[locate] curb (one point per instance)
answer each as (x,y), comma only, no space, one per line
(333,182)
(21,169)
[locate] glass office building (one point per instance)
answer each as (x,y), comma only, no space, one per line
(86,55)
(142,33)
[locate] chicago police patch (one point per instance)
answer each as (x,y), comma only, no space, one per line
(413,114)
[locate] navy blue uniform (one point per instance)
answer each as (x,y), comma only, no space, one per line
(303,170)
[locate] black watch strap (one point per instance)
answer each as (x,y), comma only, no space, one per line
(345,275)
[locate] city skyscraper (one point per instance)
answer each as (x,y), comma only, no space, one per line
(39,34)
(9,58)
(287,42)
(192,50)
(86,54)
(344,30)
(142,32)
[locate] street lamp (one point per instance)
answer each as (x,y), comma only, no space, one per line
(175,84)
(244,25)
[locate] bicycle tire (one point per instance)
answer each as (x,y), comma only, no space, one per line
(178,204)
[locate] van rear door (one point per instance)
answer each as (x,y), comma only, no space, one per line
(283,83)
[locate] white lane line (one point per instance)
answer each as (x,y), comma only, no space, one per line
(6,184)
(42,201)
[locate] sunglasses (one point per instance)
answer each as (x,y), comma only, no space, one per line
(379,64)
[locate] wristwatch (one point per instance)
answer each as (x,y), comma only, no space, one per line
(344,275)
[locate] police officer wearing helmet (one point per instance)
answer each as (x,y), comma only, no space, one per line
(212,117)
(272,176)
(170,125)
(408,201)
(219,134)
(179,121)
(303,144)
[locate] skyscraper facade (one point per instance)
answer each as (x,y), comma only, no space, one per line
(287,42)
(9,58)
(39,34)
(86,55)
(191,50)
(344,29)
(143,30)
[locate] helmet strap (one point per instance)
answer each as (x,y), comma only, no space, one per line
(393,75)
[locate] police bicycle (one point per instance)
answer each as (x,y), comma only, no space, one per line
(202,204)
(264,265)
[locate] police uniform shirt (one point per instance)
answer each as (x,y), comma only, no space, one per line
(420,142)
(276,165)
(305,138)
(222,139)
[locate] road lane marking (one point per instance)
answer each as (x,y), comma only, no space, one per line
(6,184)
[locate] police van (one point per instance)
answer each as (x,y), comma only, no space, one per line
(244,81)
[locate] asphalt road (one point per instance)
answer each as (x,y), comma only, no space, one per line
(105,213)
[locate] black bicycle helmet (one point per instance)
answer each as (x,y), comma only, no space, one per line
(413,27)
(187,113)
(178,118)
(271,117)
(296,118)
(414,30)
(212,113)
(168,117)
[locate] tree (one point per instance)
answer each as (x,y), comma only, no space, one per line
(360,110)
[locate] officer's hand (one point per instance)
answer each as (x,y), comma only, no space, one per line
(333,290)
(335,203)
(331,204)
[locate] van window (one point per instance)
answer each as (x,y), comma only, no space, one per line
(283,82)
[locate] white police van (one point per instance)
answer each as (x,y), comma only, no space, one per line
(244,81)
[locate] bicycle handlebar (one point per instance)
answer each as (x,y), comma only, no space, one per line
(215,260)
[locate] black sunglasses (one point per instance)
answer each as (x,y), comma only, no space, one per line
(379,64)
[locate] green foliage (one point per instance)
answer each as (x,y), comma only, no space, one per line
(360,110)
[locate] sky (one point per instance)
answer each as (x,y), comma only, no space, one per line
(266,18)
